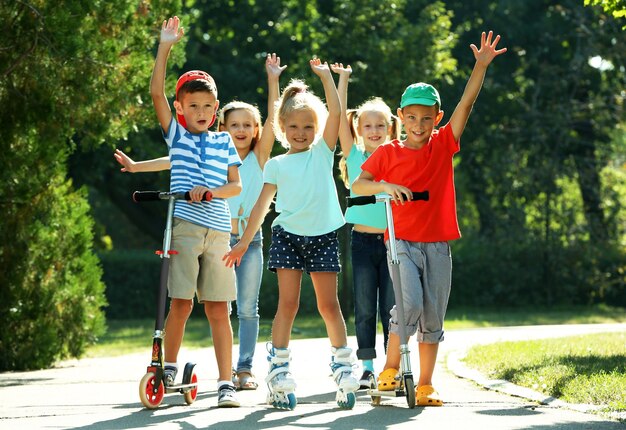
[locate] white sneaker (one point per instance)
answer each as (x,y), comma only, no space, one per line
(226,397)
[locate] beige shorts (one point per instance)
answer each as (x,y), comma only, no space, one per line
(198,268)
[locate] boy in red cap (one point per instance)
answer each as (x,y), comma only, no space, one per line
(423,161)
(204,163)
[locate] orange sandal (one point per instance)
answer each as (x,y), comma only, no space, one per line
(387,380)
(426,395)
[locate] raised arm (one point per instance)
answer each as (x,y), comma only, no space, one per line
(129,165)
(267,139)
(255,221)
(484,56)
(346,139)
(171,33)
(331,130)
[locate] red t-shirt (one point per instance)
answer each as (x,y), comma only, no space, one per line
(428,168)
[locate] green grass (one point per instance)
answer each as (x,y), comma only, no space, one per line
(476,318)
(582,369)
(129,336)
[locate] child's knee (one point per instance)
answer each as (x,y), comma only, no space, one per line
(329,309)
(181,308)
(216,311)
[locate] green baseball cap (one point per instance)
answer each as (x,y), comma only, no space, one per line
(420,94)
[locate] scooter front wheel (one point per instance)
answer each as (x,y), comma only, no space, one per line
(409,389)
(149,398)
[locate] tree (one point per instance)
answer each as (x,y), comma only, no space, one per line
(539,139)
(72,75)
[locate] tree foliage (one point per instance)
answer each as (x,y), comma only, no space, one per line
(72,74)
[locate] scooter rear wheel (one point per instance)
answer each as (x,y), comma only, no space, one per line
(190,396)
(148,397)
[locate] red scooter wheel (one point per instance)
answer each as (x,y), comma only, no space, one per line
(149,398)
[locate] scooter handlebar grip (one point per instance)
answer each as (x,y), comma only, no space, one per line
(146,196)
(421,195)
(360,201)
(207,197)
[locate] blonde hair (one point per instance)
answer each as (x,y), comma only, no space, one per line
(375,104)
(236,105)
(297,97)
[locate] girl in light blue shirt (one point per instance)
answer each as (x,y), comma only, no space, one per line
(304,236)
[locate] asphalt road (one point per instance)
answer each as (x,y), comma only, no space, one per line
(102,393)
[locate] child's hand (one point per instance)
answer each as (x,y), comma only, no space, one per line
(235,255)
(272,66)
(319,68)
(487,51)
(340,70)
(197,193)
(171,32)
(128,165)
(398,193)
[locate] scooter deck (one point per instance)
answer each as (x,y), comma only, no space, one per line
(392,393)
(176,388)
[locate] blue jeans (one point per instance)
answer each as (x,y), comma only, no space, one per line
(373,290)
(248,275)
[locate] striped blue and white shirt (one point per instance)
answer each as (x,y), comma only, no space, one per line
(200,159)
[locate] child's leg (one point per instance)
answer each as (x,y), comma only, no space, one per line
(365,281)
(248,274)
(218,315)
(180,309)
(288,302)
(428,358)
(393,352)
(325,285)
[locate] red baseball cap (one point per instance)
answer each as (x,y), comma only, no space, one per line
(193,75)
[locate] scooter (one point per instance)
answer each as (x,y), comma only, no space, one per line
(406,385)
(152,387)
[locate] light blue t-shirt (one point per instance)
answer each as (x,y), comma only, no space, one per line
(200,159)
(372,215)
(251,176)
(306,196)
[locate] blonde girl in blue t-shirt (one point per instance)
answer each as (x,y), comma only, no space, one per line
(304,236)
(362,130)
(254,144)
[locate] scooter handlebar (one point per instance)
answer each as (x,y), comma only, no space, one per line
(366,200)
(151,196)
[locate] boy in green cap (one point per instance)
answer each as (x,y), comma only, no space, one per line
(423,161)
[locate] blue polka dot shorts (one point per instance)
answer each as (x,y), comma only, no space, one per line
(307,253)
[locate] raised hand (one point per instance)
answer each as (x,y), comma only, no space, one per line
(272,65)
(171,31)
(487,51)
(340,69)
(128,165)
(319,68)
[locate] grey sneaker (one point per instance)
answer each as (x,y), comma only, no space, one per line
(226,397)
(169,375)
(367,380)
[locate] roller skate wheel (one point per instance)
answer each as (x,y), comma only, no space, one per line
(347,401)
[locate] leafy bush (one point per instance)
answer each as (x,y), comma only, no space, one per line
(512,273)
(51,296)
